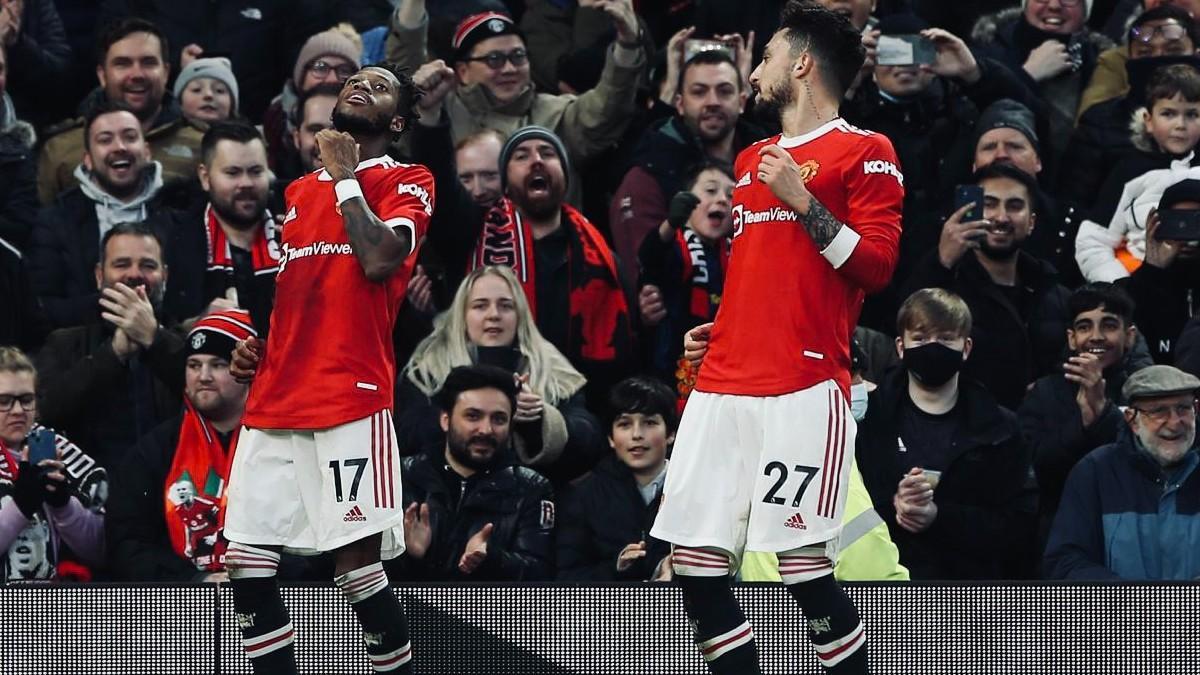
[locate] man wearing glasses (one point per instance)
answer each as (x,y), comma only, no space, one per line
(1131,509)
(490,85)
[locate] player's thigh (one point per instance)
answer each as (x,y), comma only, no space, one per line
(710,477)
(803,470)
(360,472)
(263,496)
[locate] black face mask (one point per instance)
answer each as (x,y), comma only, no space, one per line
(933,363)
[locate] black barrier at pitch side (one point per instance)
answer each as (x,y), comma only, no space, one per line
(918,629)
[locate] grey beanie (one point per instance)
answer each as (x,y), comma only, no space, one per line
(528,133)
(218,68)
(1006,113)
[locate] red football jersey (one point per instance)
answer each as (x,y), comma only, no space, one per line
(789,308)
(329,357)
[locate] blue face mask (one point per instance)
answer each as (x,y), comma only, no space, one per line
(858,401)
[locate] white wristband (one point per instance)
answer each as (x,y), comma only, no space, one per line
(347,189)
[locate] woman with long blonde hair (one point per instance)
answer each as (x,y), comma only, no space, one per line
(489,322)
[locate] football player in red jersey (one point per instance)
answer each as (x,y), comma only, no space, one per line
(763,452)
(317,466)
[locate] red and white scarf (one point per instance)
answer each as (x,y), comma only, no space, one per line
(194,492)
(264,251)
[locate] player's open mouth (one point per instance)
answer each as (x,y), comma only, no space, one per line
(358,98)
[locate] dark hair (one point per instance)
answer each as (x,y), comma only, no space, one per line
(694,171)
(1005,170)
(827,35)
(709,57)
(470,378)
(226,130)
(1101,295)
(119,30)
(323,89)
(1167,81)
(104,106)
(1161,13)
(643,395)
(934,309)
(136,229)
(407,94)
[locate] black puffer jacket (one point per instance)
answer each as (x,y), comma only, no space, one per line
(602,515)
(18,179)
(517,501)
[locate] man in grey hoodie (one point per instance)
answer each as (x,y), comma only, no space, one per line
(118,182)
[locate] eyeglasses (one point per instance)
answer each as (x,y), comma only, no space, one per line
(1064,3)
(1170,32)
(1161,414)
(495,60)
(321,69)
(27,401)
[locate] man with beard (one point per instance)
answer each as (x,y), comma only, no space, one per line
(230,255)
(708,126)
(1131,509)
(816,216)
(472,513)
(107,384)
(118,183)
(133,68)
(1020,309)
(317,466)
(566,268)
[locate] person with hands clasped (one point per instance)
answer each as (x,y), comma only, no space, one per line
(683,264)
(50,492)
(945,464)
(472,514)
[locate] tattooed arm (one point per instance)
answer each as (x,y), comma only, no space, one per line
(820,223)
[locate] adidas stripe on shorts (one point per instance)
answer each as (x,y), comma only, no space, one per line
(316,490)
(765,473)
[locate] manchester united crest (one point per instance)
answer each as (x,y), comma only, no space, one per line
(808,170)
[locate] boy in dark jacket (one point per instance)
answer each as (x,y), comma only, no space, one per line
(602,535)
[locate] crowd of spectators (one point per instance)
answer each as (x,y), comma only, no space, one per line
(1025,386)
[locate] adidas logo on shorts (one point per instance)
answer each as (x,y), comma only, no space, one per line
(795,522)
(354,515)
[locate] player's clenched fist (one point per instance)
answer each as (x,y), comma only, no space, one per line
(339,153)
(780,172)
(246,356)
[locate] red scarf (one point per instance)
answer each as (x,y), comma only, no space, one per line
(8,464)
(194,492)
(702,273)
(599,313)
(264,252)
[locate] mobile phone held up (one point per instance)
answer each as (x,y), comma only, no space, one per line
(969,194)
(1178,225)
(905,50)
(41,444)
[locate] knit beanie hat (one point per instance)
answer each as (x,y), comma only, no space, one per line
(1006,113)
(528,133)
(477,28)
(341,40)
(218,68)
(218,333)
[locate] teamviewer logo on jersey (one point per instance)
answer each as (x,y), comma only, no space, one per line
(795,522)
(354,515)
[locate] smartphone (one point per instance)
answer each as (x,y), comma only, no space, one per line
(934,477)
(969,194)
(905,50)
(1178,225)
(41,444)
(507,358)
(694,47)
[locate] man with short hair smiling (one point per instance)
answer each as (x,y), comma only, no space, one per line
(1131,509)
(489,85)
(472,513)
(133,68)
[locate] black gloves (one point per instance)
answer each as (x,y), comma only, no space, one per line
(28,490)
(682,205)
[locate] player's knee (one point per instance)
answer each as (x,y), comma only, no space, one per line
(243,561)
(802,565)
(700,562)
(359,584)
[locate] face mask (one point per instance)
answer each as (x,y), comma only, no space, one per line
(933,363)
(858,401)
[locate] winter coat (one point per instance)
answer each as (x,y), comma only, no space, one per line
(1011,349)
(1124,517)
(41,53)
(102,404)
(21,321)
(18,177)
(588,124)
(986,507)
(1165,300)
(601,515)
(517,501)
(1109,80)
